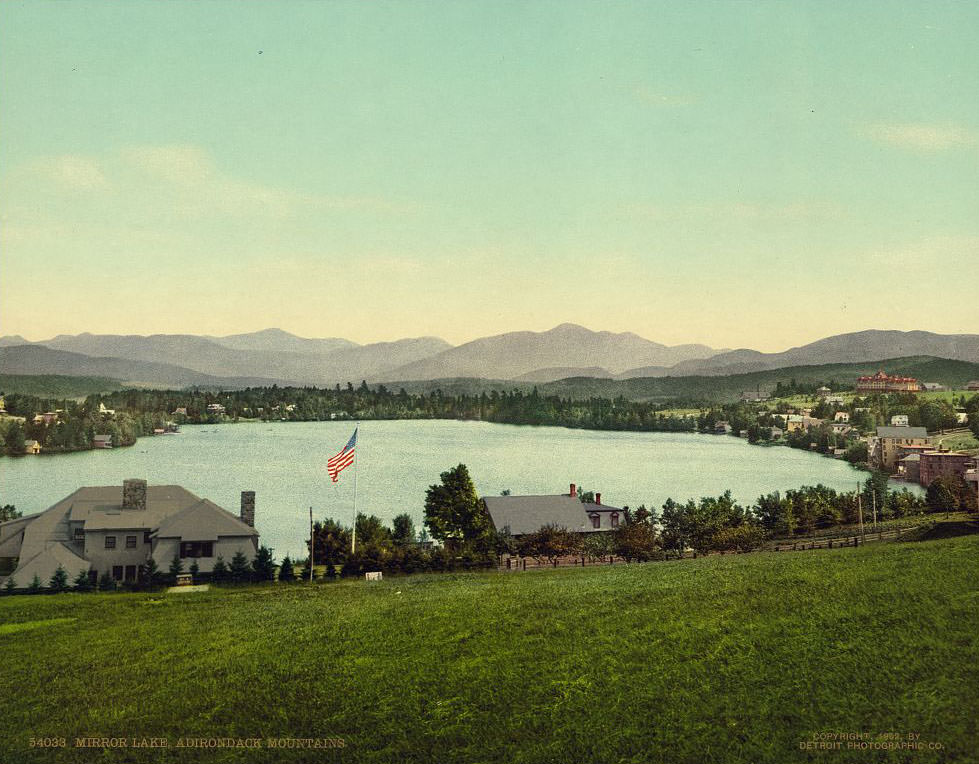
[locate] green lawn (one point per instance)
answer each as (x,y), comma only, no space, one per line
(725,659)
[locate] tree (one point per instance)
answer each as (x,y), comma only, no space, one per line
(635,541)
(332,541)
(176,567)
(404,530)
(151,573)
(82,582)
(743,538)
(9,512)
(59,581)
(219,573)
(942,495)
(240,569)
(13,439)
(195,570)
(453,512)
(107,583)
(549,543)
(35,586)
(263,566)
(10,585)
(286,573)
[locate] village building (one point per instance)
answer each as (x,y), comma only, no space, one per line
(215,408)
(823,391)
(883,383)
(722,428)
(102,441)
(933,387)
(521,515)
(32,447)
(909,468)
(834,400)
(899,420)
(841,416)
(935,464)
(891,443)
(973,385)
(754,396)
(104,411)
(115,530)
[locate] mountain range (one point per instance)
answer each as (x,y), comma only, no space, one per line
(568,350)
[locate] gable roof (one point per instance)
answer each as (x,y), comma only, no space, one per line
(204,521)
(46,562)
(902,432)
(528,514)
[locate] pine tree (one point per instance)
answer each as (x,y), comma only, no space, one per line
(35,586)
(194,571)
(240,569)
(263,566)
(82,583)
(107,583)
(151,573)
(286,573)
(219,573)
(10,585)
(176,567)
(59,581)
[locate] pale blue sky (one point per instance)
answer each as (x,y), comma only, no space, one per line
(737,173)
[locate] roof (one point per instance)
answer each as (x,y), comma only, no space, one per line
(902,432)
(527,514)
(46,562)
(204,521)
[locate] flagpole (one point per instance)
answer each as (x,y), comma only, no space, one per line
(353,543)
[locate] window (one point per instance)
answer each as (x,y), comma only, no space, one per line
(130,542)
(596,521)
(196,548)
(614,519)
(110,542)
(130,572)
(117,572)
(79,534)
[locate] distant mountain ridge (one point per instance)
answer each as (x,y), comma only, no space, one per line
(566,351)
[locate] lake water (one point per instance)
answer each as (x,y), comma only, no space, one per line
(285,463)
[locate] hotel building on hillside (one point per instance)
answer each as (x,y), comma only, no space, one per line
(883,383)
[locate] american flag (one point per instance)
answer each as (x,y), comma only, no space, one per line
(342,460)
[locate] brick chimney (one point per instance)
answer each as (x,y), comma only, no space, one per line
(573,491)
(598,498)
(134,494)
(248,508)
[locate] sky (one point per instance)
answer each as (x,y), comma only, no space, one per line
(741,174)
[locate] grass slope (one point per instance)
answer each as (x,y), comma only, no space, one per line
(724,659)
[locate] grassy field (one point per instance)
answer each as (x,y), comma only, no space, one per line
(724,659)
(960,441)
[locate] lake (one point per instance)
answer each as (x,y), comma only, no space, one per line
(285,463)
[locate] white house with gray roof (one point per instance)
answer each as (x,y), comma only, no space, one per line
(114,530)
(528,514)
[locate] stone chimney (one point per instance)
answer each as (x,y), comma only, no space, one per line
(248,508)
(573,493)
(598,498)
(134,494)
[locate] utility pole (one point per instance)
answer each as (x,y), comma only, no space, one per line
(860,512)
(311,545)
(874,497)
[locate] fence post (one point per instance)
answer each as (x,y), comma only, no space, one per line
(831,543)
(525,564)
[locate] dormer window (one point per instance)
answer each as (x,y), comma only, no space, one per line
(596,521)
(614,519)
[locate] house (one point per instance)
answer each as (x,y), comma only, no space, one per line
(841,416)
(179,411)
(754,396)
(936,464)
(32,447)
(102,441)
(776,433)
(834,400)
(883,383)
(961,416)
(973,385)
(215,408)
(933,387)
(48,417)
(899,420)
(528,514)
(891,443)
(722,428)
(115,530)
(841,428)
(823,391)
(106,412)
(909,468)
